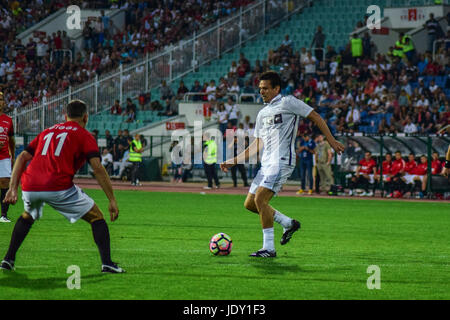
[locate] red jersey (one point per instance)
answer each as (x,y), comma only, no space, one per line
(436,167)
(367,166)
(397,166)
(58,153)
(421,169)
(409,166)
(6,131)
(387,165)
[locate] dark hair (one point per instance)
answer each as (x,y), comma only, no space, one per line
(273,77)
(76,109)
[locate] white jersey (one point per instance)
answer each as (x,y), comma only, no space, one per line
(276,124)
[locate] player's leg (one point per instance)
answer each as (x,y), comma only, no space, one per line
(4,187)
(249,203)
(21,229)
(266,216)
(101,235)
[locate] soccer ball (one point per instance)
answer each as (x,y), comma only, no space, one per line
(220,244)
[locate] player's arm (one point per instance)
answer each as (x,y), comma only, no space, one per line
(18,169)
(322,125)
(105,183)
(243,157)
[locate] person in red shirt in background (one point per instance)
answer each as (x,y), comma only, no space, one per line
(436,164)
(419,174)
(408,178)
(387,165)
(365,172)
(7,156)
(396,184)
(55,155)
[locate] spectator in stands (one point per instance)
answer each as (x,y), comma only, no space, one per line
(117,140)
(211,91)
(130,111)
(310,64)
(233,111)
(409,127)
(196,88)
(432,25)
(181,91)
(107,161)
(248,89)
(116,108)
(244,62)
(234,88)
(222,88)
(318,44)
(165,91)
(109,141)
(171,108)
(222,117)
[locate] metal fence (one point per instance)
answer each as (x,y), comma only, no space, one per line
(172,64)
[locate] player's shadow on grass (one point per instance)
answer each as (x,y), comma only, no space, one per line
(19,280)
(271,266)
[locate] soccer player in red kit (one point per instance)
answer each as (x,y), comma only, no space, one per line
(55,155)
(7,155)
(420,176)
(397,185)
(365,172)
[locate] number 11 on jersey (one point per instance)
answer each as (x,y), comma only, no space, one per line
(48,138)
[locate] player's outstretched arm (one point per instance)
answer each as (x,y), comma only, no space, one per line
(317,119)
(19,167)
(103,180)
(243,157)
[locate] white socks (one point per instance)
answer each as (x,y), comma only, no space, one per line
(283,220)
(268,236)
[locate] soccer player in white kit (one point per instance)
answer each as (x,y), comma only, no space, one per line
(275,130)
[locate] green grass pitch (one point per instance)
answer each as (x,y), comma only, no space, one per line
(162,240)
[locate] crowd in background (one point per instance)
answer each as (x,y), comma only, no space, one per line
(34,71)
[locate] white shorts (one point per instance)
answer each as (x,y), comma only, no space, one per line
(409,178)
(72,203)
(5,168)
(271,178)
